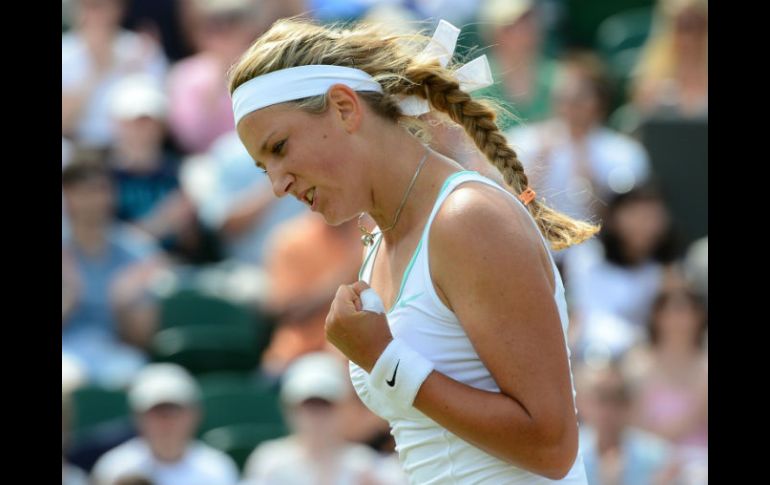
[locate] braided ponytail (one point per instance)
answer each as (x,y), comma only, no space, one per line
(443,92)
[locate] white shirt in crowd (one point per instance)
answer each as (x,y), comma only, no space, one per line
(132,54)
(561,169)
(284,462)
(201,465)
(613,301)
(72,475)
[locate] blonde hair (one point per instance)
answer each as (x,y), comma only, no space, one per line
(658,58)
(394,60)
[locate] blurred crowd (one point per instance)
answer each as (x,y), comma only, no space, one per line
(193,300)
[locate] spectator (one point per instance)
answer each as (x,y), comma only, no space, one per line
(200,106)
(612,281)
(578,164)
(672,74)
(95,56)
(526,76)
(306,262)
(671,370)
(235,200)
(145,174)
(167,21)
(696,267)
(107,318)
(166,402)
(313,389)
(614,452)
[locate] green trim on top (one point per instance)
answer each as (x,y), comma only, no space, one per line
(366,260)
(419,245)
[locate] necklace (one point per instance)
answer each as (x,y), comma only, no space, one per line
(367,238)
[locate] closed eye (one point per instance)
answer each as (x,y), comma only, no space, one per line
(278,147)
(276,150)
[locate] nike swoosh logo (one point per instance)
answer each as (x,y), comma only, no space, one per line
(404,301)
(392,381)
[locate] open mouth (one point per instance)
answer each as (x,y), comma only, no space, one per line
(310,196)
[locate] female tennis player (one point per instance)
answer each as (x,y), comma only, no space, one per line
(456,330)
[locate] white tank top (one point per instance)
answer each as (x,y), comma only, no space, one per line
(428,452)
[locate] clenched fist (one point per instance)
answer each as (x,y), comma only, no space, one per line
(359,334)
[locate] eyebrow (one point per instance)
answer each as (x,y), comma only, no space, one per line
(264,145)
(263,149)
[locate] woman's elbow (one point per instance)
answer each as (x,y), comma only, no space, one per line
(559,454)
(560,464)
(554,448)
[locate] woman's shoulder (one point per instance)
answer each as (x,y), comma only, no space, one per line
(482,224)
(478,204)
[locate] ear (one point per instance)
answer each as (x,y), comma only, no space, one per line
(346,106)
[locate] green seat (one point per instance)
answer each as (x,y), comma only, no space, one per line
(583,19)
(620,39)
(209,348)
(192,307)
(224,381)
(229,404)
(624,30)
(240,440)
(95,406)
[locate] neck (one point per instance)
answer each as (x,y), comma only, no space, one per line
(320,447)
(676,352)
(400,156)
(580,130)
(169,454)
(390,185)
(137,155)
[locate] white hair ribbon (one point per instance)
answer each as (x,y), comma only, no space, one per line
(474,75)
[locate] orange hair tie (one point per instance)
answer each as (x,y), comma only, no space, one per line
(527,196)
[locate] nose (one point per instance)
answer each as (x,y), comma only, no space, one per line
(282,183)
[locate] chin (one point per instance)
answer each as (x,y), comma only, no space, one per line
(337,219)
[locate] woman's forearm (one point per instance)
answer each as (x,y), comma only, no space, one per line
(500,425)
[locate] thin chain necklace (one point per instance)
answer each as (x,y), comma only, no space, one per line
(367,238)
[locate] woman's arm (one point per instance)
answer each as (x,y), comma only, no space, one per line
(492,270)
(503,296)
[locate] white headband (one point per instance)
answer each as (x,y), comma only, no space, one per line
(297,83)
(304,81)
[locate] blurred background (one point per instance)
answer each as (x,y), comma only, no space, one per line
(193,300)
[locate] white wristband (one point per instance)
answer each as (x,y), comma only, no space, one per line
(399,373)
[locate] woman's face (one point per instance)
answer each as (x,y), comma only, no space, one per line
(679,319)
(307,156)
(99,14)
(641,224)
(521,36)
(90,200)
(575,98)
(143,131)
(226,36)
(691,28)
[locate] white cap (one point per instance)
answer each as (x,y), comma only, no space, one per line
(218,7)
(504,12)
(163,384)
(136,96)
(317,374)
(73,373)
